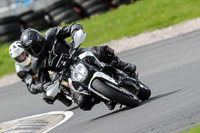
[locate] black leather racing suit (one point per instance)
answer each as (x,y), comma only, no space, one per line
(55,45)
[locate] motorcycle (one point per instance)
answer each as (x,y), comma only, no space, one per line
(97,81)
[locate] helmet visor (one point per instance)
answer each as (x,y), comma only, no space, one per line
(22,57)
(35,49)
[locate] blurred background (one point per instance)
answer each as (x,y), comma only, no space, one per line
(17,15)
(103,20)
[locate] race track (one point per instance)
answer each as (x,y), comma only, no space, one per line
(171,68)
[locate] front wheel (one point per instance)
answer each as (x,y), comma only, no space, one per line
(114,94)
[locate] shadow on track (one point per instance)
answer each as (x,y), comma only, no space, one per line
(73,108)
(142,103)
(159,96)
(114,112)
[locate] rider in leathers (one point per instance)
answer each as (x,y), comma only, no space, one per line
(48,49)
(24,63)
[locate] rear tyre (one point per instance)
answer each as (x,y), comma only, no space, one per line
(67,17)
(10,37)
(35,20)
(9,28)
(8,19)
(114,94)
(97,9)
(144,92)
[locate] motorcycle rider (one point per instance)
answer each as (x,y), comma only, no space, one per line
(24,63)
(48,49)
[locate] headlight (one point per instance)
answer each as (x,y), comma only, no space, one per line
(79,73)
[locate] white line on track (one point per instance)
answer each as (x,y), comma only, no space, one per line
(49,117)
(67,114)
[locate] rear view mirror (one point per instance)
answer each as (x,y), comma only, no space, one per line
(78,38)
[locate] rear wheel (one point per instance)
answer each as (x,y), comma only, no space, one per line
(114,94)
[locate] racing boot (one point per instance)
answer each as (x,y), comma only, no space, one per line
(117,63)
(127,67)
(63,99)
(130,69)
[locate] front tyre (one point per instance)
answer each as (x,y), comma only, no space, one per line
(114,94)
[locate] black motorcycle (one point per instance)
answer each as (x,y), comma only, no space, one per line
(93,81)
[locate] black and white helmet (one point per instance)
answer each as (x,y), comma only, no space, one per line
(18,54)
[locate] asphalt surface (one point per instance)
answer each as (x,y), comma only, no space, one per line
(171,68)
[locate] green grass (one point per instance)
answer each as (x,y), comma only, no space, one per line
(128,20)
(143,16)
(6,63)
(193,130)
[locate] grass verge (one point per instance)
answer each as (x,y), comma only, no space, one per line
(196,129)
(6,63)
(143,16)
(127,20)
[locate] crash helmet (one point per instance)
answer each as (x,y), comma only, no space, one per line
(18,54)
(33,42)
